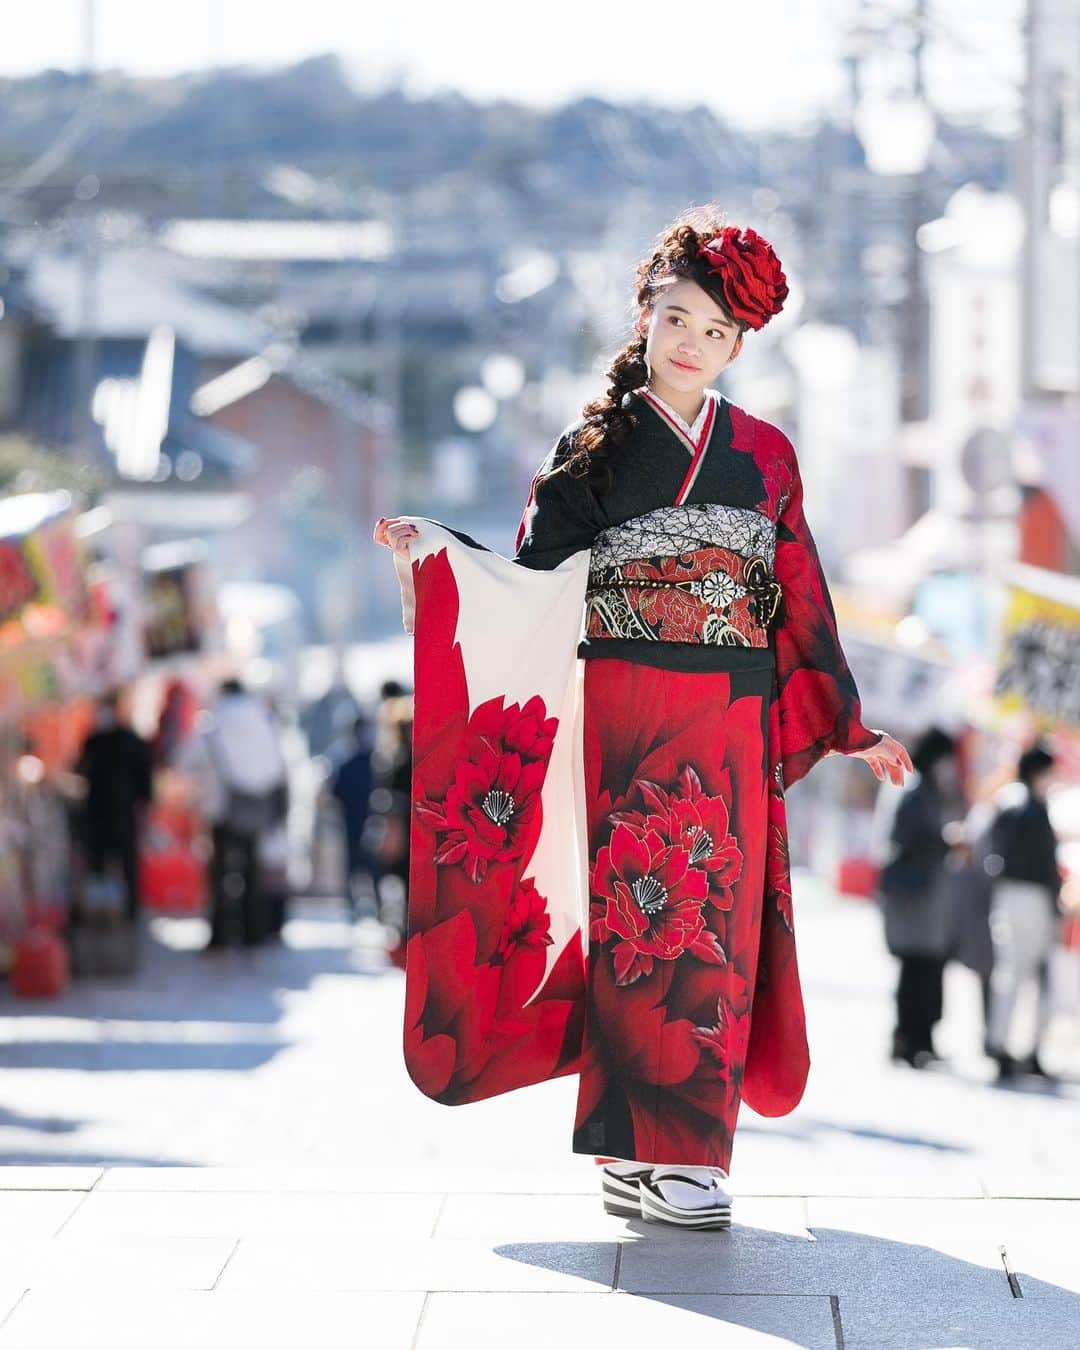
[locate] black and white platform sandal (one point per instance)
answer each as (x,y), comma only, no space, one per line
(621,1190)
(713,1210)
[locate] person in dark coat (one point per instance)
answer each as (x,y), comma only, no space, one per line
(115,763)
(1025,909)
(352,779)
(913,890)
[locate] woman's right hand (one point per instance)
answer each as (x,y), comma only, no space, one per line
(396,535)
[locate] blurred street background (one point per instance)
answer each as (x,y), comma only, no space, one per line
(264,279)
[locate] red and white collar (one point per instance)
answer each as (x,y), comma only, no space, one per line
(690,434)
(695,438)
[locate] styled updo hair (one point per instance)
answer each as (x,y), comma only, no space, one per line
(607,422)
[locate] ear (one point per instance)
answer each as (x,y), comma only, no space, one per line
(642,325)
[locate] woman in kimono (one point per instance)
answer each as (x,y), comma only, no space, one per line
(713,679)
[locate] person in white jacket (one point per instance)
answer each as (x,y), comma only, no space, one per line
(242,777)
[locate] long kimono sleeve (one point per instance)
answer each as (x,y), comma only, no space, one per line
(820,709)
(561,516)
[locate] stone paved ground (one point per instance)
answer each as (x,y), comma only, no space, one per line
(234,1150)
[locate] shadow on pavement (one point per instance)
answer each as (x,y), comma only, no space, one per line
(838,1288)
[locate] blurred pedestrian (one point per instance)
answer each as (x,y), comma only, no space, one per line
(915,894)
(176,721)
(1025,907)
(243,792)
(333,712)
(351,780)
(392,804)
(115,765)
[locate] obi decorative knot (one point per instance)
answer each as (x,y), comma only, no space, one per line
(710,595)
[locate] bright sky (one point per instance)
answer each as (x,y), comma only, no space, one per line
(774,62)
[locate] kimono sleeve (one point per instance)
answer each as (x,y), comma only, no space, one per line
(561,516)
(820,709)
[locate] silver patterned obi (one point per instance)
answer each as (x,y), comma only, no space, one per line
(685,574)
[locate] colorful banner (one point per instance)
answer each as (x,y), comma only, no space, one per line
(1039,664)
(172,624)
(18,584)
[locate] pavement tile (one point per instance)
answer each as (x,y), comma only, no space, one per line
(571,1217)
(1031,1185)
(911,1317)
(630,1321)
(258,1214)
(740,1260)
(397,1179)
(1042,1239)
(38,1214)
(421,1264)
(812,1182)
(114,1263)
(963,1229)
(49,1178)
(171,1321)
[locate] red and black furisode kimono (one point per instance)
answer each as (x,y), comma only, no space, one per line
(599,867)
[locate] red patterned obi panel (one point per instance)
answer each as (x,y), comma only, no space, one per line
(710,595)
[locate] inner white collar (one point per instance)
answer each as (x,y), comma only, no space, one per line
(693,432)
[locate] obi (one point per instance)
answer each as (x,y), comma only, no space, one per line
(711,595)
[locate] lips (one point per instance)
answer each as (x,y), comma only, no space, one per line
(682,365)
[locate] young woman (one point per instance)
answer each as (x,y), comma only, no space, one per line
(712,679)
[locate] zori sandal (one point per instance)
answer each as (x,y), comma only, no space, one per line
(621,1182)
(674,1198)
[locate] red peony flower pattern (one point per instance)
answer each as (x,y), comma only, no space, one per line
(491,812)
(649,901)
(691,818)
(527,923)
(723,602)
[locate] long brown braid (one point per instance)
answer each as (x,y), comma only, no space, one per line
(608,421)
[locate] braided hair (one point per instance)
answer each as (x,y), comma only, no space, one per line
(609,420)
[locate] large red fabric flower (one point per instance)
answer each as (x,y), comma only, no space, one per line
(688,817)
(751,277)
(491,811)
(650,901)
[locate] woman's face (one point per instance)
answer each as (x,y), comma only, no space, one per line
(688,338)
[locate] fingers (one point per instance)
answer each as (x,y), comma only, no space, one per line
(388,528)
(395,534)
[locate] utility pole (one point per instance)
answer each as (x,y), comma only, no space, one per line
(85,224)
(914,398)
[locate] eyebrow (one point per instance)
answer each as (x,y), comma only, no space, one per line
(722,322)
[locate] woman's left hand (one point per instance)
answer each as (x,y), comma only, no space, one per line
(888,756)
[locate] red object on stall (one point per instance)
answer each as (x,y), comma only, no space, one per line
(40,968)
(857,876)
(46,914)
(172,875)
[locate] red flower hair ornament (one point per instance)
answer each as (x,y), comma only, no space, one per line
(751,278)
